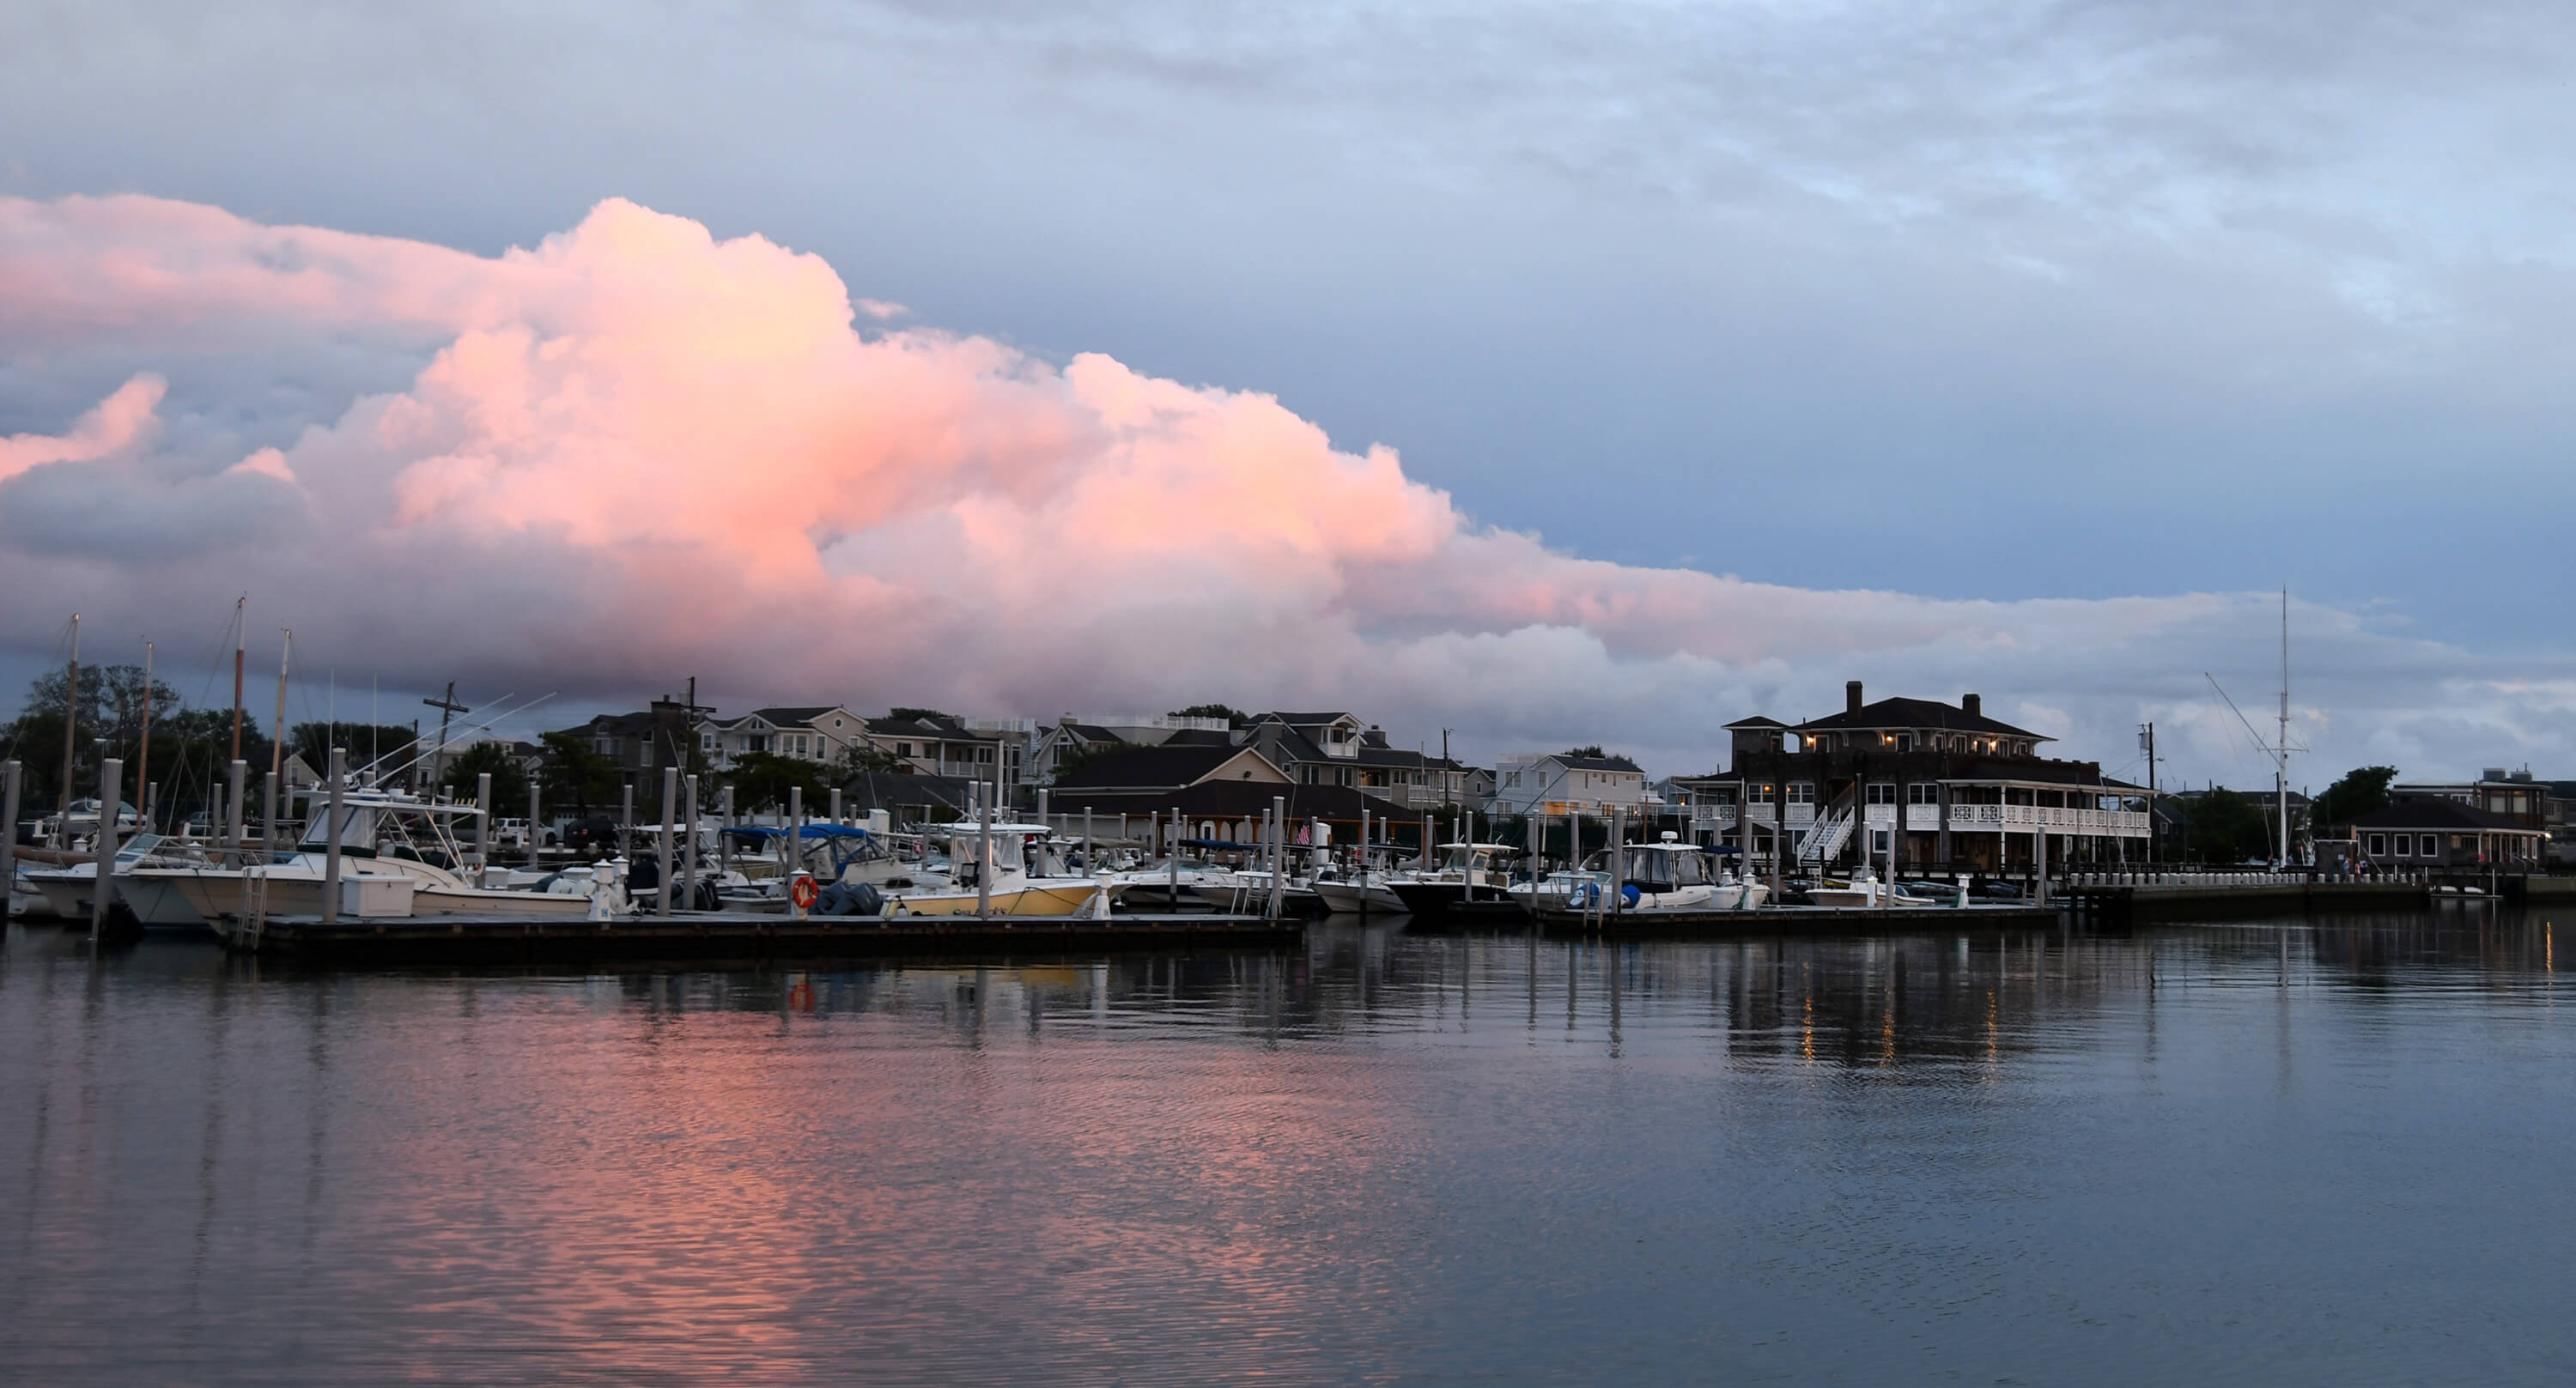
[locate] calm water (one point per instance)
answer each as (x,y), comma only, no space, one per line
(2334,1153)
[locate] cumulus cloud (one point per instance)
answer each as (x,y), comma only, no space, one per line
(637,452)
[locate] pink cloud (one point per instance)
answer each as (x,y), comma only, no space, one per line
(636,452)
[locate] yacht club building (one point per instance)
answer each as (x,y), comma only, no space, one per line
(1942,786)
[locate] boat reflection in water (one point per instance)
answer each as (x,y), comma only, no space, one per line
(2300,1153)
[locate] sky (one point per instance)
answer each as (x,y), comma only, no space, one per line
(1546,373)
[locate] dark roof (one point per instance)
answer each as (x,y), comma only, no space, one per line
(2050,770)
(794,713)
(617,724)
(2440,814)
(1089,732)
(889,791)
(1199,737)
(1143,768)
(1290,745)
(1599,764)
(1392,756)
(1303,720)
(1227,800)
(1757,721)
(1916,713)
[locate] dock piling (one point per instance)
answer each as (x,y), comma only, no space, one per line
(9,821)
(331,844)
(111,798)
(670,809)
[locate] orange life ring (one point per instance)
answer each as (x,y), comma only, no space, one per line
(803,892)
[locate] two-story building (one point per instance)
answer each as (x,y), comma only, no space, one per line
(817,733)
(641,744)
(939,744)
(1338,749)
(1555,784)
(1941,786)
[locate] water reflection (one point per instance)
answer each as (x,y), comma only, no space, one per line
(2029,1154)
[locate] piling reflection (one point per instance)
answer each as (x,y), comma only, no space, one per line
(1266,1162)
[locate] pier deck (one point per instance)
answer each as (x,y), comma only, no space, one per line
(1788,920)
(746,936)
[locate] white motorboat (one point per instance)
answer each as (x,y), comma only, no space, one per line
(1465,876)
(1865,892)
(1024,870)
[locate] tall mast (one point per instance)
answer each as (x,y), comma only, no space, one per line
(71,717)
(237,673)
(143,756)
(277,734)
(2281,775)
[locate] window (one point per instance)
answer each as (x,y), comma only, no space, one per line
(2402,845)
(1802,792)
(1878,842)
(605,746)
(1881,793)
(1905,742)
(706,742)
(1511,778)
(1923,793)
(2378,846)
(903,749)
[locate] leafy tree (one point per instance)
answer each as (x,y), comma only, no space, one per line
(1592,750)
(388,743)
(861,757)
(761,781)
(509,779)
(110,710)
(577,775)
(2359,791)
(2226,827)
(1234,717)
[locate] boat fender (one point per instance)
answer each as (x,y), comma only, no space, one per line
(1630,894)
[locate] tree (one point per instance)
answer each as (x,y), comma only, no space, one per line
(1234,717)
(1592,750)
(859,758)
(927,715)
(111,725)
(509,779)
(2225,827)
(384,744)
(761,781)
(2360,791)
(575,774)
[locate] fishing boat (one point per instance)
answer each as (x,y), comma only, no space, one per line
(1000,882)
(384,834)
(1465,876)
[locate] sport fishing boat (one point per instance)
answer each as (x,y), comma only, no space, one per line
(1013,890)
(1466,877)
(383,834)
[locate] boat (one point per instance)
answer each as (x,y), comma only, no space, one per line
(385,834)
(1865,892)
(1013,890)
(1466,876)
(67,889)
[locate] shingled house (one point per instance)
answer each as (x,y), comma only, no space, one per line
(1943,785)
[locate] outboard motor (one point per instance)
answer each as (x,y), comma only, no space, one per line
(850,899)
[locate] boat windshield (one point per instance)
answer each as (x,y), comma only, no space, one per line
(1655,868)
(1462,856)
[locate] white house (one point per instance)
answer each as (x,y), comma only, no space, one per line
(1555,783)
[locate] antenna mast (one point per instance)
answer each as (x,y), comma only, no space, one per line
(2281,771)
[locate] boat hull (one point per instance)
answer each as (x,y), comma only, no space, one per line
(1352,899)
(1068,900)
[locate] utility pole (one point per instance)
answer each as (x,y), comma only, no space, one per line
(445,704)
(2147,739)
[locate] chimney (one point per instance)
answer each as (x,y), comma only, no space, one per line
(1972,706)
(1851,696)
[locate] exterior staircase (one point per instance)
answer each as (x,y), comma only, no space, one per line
(1830,834)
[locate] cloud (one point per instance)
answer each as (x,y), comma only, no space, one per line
(638,452)
(116,423)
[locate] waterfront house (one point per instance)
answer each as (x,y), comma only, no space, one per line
(1561,783)
(818,733)
(1338,749)
(2440,832)
(1943,786)
(639,745)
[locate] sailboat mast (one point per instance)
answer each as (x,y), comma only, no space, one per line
(2281,742)
(143,755)
(71,717)
(238,635)
(277,747)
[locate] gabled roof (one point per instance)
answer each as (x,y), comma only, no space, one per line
(1161,766)
(1088,732)
(1199,737)
(785,714)
(1757,721)
(2440,814)
(1900,714)
(1597,764)
(1306,720)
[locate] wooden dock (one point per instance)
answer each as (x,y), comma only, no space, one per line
(1789,920)
(744,937)
(2220,901)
